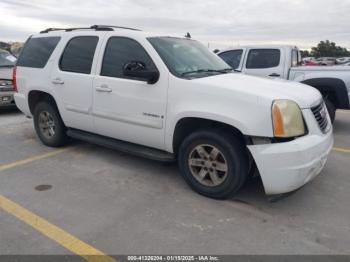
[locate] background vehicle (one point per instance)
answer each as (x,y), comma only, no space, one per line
(284,62)
(343,60)
(7,62)
(344,64)
(170,98)
(310,61)
(326,61)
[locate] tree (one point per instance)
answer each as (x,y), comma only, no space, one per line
(304,53)
(5,46)
(16,48)
(329,49)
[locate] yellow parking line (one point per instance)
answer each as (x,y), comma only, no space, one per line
(53,232)
(342,150)
(32,159)
(62,237)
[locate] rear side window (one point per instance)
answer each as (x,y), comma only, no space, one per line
(263,58)
(78,55)
(121,50)
(232,58)
(37,51)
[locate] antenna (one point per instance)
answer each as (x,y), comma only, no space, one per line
(188,35)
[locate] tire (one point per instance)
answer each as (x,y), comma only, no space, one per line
(232,151)
(54,135)
(331,109)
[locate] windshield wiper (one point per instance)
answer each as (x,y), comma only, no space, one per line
(6,65)
(223,71)
(227,70)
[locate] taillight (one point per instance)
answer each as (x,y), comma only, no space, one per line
(14,79)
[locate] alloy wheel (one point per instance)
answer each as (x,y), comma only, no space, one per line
(208,165)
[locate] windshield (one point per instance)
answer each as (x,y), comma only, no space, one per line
(188,58)
(6,59)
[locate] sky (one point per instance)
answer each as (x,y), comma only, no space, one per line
(219,24)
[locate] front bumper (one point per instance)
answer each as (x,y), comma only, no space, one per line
(6,99)
(285,167)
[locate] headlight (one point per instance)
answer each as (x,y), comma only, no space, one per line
(287,119)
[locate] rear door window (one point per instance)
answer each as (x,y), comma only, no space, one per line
(263,58)
(37,51)
(232,58)
(79,54)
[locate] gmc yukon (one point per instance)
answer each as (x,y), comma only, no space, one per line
(170,98)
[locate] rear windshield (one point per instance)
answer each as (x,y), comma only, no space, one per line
(37,51)
(6,59)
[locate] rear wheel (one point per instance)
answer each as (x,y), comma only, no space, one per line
(331,109)
(213,163)
(49,125)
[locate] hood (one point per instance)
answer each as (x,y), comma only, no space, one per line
(270,89)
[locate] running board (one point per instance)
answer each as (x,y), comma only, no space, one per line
(122,146)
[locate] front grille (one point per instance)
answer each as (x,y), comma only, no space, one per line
(320,112)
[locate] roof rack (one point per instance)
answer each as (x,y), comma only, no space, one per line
(93,27)
(112,27)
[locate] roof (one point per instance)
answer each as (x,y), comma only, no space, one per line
(101,28)
(264,46)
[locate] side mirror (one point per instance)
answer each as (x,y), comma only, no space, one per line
(138,69)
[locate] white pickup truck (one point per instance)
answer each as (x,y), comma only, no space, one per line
(284,62)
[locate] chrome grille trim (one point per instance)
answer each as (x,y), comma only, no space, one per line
(320,112)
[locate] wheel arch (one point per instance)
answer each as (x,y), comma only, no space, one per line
(333,88)
(188,125)
(36,96)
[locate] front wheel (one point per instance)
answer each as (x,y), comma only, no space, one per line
(213,163)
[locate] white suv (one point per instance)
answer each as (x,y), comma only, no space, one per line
(170,98)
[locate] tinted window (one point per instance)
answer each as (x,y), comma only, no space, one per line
(121,50)
(79,54)
(37,51)
(232,58)
(263,58)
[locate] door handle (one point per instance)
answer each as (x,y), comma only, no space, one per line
(58,81)
(103,88)
(275,75)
